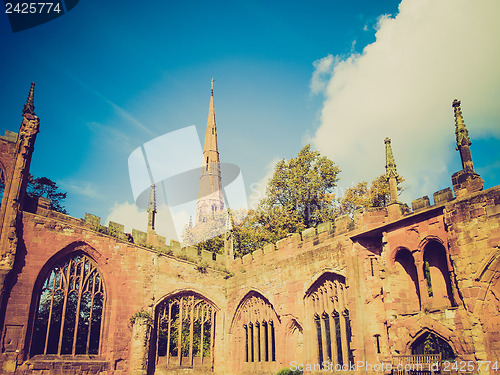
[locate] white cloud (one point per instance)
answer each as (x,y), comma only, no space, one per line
(87,189)
(322,69)
(129,215)
(402,87)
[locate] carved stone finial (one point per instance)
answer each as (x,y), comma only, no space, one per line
(29,107)
(390,165)
(152,199)
(462,136)
(390,171)
(152,208)
(461,132)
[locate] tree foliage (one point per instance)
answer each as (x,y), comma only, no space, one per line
(45,187)
(262,227)
(360,196)
(303,186)
(299,195)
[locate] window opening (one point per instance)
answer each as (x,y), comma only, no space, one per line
(69,312)
(259,332)
(186,329)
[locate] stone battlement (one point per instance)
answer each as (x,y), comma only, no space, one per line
(151,241)
(364,219)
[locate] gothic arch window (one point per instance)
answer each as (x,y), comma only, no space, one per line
(430,343)
(255,324)
(437,275)
(406,279)
(185,331)
(69,311)
(326,303)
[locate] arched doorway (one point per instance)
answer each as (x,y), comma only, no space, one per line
(430,343)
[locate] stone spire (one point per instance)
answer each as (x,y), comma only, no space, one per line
(152,209)
(467,180)
(463,140)
(210,198)
(390,172)
(29,107)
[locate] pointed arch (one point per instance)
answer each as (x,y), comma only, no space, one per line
(69,300)
(255,294)
(329,319)
(184,334)
(430,342)
(436,273)
(405,280)
(254,326)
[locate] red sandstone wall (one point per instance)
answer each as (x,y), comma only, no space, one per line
(135,279)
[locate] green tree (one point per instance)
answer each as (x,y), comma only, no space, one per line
(45,187)
(360,196)
(262,227)
(299,195)
(303,186)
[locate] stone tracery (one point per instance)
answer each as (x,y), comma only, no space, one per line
(326,304)
(258,320)
(186,331)
(69,310)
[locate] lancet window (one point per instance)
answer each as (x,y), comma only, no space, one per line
(186,331)
(69,310)
(326,303)
(258,321)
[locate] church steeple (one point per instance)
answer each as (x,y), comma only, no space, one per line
(210,198)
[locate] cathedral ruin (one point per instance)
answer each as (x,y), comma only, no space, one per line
(374,293)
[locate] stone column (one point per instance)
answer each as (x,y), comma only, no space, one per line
(139,347)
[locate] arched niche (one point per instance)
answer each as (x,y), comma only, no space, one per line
(437,274)
(405,284)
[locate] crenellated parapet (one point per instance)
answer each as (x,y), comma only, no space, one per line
(345,226)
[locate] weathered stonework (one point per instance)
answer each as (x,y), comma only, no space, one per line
(366,290)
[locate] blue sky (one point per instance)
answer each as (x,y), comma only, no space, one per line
(341,75)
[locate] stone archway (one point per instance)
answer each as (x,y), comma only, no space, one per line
(430,343)
(184,334)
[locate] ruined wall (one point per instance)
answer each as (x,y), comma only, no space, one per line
(135,279)
(474,225)
(282,274)
(378,262)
